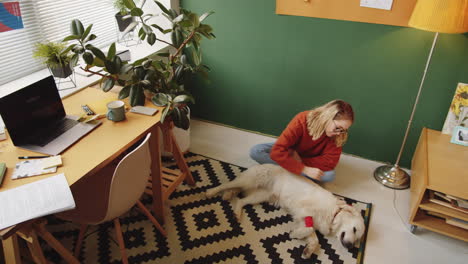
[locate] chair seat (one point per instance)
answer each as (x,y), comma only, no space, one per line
(169,181)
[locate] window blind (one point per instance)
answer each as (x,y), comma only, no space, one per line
(16,46)
(54,17)
(49,20)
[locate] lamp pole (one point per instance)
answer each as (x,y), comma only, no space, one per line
(393,176)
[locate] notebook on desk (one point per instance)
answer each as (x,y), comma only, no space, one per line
(35,119)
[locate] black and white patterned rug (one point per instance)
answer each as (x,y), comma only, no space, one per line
(205,230)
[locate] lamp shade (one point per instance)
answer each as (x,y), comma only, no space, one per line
(444,16)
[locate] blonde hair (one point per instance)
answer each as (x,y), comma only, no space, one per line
(318,118)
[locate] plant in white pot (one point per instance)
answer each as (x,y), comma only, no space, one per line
(164,77)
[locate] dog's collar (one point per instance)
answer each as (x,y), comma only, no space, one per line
(334,216)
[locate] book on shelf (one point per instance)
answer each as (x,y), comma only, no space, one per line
(457,222)
(447,201)
(435,214)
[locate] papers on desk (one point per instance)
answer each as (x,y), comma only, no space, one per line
(33,167)
(43,197)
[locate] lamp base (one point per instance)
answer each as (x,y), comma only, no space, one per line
(392,177)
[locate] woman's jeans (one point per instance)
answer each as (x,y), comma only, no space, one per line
(261,154)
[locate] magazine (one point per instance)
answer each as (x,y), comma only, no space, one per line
(458,111)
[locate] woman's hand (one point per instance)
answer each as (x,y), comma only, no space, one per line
(313,173)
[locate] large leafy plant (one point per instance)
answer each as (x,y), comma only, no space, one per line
(162,77)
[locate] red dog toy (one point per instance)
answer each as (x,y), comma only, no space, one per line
(309,221)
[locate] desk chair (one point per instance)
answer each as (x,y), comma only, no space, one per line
(110,193)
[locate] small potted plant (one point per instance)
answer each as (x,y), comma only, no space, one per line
(162,77)
(56,56)
(122,17)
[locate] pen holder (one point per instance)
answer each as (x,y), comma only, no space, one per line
(116,111)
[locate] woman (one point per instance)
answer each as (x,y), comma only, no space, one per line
(312,142)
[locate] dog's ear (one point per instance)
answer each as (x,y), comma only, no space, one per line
(347,208)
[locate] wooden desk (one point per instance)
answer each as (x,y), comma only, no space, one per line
(441,166)
(98,149)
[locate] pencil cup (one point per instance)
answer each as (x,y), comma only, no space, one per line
(116,111)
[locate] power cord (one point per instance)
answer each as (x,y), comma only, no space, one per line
(396,210)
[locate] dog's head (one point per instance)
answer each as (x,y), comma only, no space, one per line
(348,225)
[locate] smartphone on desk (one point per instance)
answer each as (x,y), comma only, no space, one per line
(143,110)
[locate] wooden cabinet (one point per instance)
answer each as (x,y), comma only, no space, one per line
(440,166)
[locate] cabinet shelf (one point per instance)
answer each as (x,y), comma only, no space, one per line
(439,226)
(443,210)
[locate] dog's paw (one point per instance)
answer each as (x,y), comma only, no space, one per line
(228,195)
(309,250)
(211,193)
(311,246)
(238,212)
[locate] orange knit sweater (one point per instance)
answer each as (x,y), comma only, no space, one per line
(321,153)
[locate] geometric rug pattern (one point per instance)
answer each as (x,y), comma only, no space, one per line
(202,230)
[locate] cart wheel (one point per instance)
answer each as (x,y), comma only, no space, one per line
(413,229)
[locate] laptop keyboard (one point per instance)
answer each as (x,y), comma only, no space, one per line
(61,127)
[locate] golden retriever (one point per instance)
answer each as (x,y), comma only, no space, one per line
(301,198)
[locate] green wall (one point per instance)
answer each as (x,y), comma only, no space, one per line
(267,67)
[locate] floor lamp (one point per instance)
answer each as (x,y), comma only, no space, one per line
(439,16)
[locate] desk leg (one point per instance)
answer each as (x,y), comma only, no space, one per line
(11,250)
(156,175)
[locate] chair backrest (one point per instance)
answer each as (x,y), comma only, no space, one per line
(129,180)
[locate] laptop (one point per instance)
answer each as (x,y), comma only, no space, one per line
(35,119)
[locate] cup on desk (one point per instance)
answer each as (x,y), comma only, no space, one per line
(116,111)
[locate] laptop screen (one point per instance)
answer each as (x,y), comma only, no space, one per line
(31,108)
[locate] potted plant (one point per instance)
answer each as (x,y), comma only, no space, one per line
(122,16)
(162,77)
(56,56)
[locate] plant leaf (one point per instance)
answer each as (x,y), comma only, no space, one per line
(76,27)
(91,37)
(71,37)
(151,38)
(157,27)
(137,97)
(86,32)
(108,84)
(146,28)
(65,51)
(183,99)
(136,12)
(186,23)
(164,113)
(162,7)
(125,92)
(160,99)
(205,15)
(129,4)
(163,54)
(126,68)
(111,51)
(178,18)
(97,52)
(88,58)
